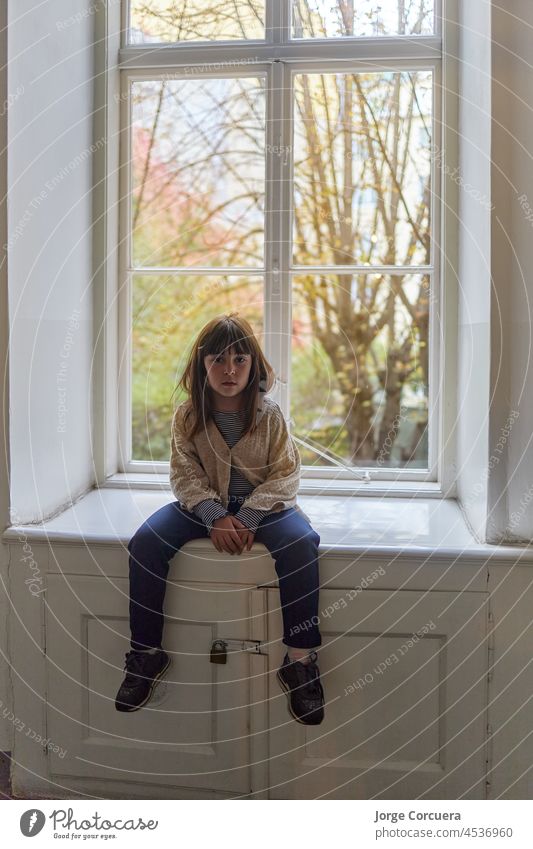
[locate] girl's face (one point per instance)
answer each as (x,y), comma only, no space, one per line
(227,373)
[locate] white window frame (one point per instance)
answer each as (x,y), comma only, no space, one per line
(278,59)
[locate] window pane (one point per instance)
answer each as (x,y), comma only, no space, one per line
(327,19)
(362,168)
(198,172)
(359,384)
(172,21)
(168,313)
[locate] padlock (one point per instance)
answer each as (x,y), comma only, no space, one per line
(218,652)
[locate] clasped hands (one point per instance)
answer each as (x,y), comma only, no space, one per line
(229,534)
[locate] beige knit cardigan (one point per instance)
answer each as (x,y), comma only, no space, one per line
(200,468)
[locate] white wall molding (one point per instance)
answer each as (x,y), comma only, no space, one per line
(510,494)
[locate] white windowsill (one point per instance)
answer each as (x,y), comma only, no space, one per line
(416,529)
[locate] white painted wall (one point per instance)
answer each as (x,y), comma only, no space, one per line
(495,455)
(50,298)
(510,515)
(511,486)
(474,261)
(48,81)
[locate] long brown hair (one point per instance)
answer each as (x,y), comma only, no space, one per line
(219,334)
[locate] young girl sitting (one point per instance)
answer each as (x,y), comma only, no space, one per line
(234,470)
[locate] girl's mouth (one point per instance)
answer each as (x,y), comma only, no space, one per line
(229,383)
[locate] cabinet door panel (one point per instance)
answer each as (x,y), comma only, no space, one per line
(404,676)
(195,730)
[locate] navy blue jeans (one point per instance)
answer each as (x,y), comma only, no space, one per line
(290,539)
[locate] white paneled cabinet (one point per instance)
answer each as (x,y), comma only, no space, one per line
(405,718)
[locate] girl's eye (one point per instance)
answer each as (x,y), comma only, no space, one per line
(240,357)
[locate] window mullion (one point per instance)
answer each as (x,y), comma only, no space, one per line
(272,213)
(284,20)
(125,17)
(392,49)
(285,225)
(273,21)
(277,224)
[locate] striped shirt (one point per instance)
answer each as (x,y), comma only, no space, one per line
(230,425)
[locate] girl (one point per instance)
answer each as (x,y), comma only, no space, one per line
(234,470)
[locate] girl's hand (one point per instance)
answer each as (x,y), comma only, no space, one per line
(225,537)
(246,535)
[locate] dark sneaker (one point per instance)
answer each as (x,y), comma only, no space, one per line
(143,671)
(301,682)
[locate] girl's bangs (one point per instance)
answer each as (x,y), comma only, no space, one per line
(223,337)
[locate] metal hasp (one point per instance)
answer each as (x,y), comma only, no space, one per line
(219,653)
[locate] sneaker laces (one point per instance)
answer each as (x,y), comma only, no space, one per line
(134,666)
(314,687)
(310,677)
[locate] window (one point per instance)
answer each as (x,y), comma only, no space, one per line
(280,159)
